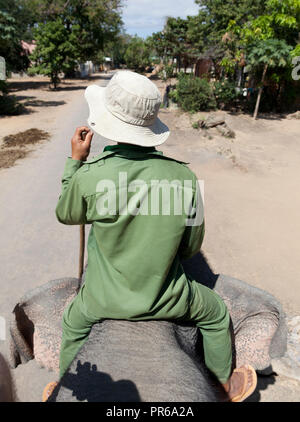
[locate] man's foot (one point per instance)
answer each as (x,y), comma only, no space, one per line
(242,384)
(48,390)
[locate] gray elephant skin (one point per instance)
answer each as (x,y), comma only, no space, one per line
(157,361)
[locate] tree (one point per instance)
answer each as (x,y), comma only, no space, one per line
(215,16)
(264,55)
(116,49)
(138,54)
(174,43)
(25,14)
(278,27)
(56,50)
(97,21)
(10,45)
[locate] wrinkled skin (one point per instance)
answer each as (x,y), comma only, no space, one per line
(147,360)
(6,384)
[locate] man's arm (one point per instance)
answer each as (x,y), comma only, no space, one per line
(191,241)
(71,207)
(194,233)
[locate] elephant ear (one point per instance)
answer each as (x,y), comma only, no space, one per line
(35,326)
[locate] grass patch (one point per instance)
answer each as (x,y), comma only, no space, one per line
(22,139)
(17,146)
(10,156)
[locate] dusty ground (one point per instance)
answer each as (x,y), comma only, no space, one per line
(251,200)
(42,105)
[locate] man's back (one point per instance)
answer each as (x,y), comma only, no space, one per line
(138,203)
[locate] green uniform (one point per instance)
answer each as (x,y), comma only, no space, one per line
(134,269)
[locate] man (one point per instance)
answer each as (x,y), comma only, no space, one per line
(146,214)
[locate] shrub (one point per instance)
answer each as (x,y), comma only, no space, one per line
(3,87)
(9,105)
(193,94)
(167,72)
(225,93)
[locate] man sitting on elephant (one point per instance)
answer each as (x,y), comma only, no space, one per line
(134,269)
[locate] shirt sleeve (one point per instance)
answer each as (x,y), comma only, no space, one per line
(71,208)
(194,232)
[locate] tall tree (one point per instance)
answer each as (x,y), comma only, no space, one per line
(138,54)
(56,50)
(268,54)
(215,16)
(99,21)
(259,37)
(14,21)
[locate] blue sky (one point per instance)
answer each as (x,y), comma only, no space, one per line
(143,17)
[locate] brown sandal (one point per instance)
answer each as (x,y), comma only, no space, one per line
(247,391)
(48,390)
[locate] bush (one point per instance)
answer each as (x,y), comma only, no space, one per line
(167,72)
(3,87)
(193,94)
(9,105)
(225,93)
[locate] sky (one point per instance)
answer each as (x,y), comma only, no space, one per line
(143,17)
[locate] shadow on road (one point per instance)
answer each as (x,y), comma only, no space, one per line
(34,102)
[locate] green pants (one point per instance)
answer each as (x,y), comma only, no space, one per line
(207,310)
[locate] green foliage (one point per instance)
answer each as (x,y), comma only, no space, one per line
(138,54)
(116,49)
(56,50)
(97,21)
(296,51)
(167,72)
(10,46)
(225,93)
(175,41)
(274,53)
(281,21)
(194,94)
(3,87)
(9,105)
(215,16)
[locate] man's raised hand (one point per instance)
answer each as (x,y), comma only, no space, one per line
(81,143)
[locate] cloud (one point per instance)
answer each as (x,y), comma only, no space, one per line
(147,16)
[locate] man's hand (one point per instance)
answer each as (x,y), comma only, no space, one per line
(81,143)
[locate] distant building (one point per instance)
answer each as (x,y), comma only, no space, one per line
(85,69)
(203,67)
(28,48)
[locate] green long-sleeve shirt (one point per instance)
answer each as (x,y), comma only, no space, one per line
(139,231)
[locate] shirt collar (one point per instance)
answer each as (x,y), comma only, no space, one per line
(128,148)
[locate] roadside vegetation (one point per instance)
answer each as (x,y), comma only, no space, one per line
(234,53)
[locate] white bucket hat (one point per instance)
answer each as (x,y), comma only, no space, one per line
(126,110)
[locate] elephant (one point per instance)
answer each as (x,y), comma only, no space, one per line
(158,361)
(7,393)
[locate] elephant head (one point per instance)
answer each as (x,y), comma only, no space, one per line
(146,360)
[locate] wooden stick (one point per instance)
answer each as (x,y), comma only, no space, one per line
(81,250)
